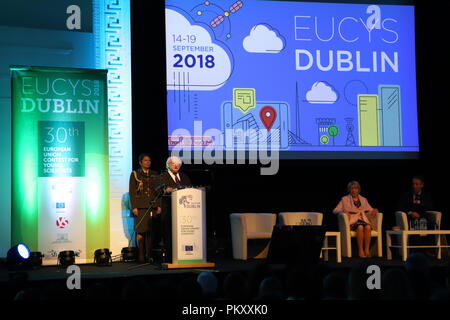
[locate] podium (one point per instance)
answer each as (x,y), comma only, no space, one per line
(188,218)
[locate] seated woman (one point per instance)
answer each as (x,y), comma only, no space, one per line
(359,214)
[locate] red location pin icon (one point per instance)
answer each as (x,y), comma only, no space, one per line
(268,116)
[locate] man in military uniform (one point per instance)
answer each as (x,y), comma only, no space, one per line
(145,205)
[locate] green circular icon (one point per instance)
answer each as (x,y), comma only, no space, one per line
(333,131)
(324,139)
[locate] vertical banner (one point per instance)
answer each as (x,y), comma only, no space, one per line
(60,169)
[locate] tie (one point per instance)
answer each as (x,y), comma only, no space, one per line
(417,198)
(177,181)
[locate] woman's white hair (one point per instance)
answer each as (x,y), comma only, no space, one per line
(353,183)
(174,160)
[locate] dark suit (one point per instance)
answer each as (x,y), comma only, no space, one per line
(424,203)
(166,206)
(420,204)
(168,181)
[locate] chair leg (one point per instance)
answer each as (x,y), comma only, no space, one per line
(344,245)
(338,249)
(244,250)
(388,246)
(380,245)
(404,246)
(349,247)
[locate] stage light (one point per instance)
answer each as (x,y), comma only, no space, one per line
(66,258)
(102,257)
(36,258)
(18,256)
(129,254)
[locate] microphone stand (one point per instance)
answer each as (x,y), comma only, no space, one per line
(160,192)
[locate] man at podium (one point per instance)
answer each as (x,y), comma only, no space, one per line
(172,178)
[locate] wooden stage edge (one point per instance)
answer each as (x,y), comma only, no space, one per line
(188,266)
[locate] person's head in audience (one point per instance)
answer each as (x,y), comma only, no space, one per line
(135,289)
(335,286)
(395,285)
(295,284)
(418,270)
(418,262)
(417,184)
(189,289)
(28,294)
(271,289)
(235,286)
(97,291)
(55,291)
(357,288)
(163,289)
(314,284)
(208,283)
(258,274)
(442,294)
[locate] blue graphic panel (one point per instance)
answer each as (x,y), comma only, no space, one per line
(315,59)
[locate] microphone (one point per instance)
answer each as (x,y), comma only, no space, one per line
(160,187)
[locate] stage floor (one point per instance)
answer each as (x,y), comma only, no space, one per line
(122,269)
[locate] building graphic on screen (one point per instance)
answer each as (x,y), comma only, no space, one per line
(369,120)
(391,118)
(322,125)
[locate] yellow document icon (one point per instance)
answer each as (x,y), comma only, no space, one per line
(244,99)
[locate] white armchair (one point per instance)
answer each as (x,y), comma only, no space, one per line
(300,218)
(347,234)
(245,226)
(401,219)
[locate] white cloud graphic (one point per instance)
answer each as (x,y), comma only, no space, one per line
(321,92)
(263,40)
(185,69)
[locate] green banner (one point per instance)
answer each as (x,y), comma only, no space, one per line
(60,173)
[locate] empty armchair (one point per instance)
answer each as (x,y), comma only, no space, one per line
(245,226)
(300,218)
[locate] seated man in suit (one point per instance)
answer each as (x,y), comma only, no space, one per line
(416,202)
(172,178)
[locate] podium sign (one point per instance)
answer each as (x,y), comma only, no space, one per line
(189,229)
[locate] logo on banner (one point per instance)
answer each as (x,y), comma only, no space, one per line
(189,248)
(60,205)
(186,202)
(62,222)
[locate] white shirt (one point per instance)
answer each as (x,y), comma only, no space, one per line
(414,198)
(173,176)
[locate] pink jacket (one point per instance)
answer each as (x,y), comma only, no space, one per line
(346,205)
